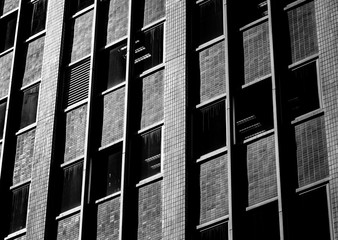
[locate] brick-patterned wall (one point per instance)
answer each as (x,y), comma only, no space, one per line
(311,151)
(150,212)
(174,131)
(33,64)
(153,10)
(117,26)
(303,34)
(5,69)
(9,5)
(256,52)
(68,228)
(261,168)
(113,115)
(23,157)
(108,220)
(75,133)
(213,189)
(81,36)
(152,99)
(212,71)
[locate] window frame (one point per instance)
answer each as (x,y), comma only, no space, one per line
(23,90)
(4,21)
(32,15)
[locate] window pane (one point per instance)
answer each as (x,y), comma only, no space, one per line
(8,29)
(212,127)
(149,49)
(78,5)
(72,184)
(38,16)
(303,90)
(29,106)
(219,232)
(19,208)
(2,118)
(151,153)
(210,20)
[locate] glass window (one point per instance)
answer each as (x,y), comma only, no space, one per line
(29,106)
(151,153)
(78,5)
(253,10)
(2,118)
(211,127)
(38,18)
(72,186)
(303,90)
(7,28)
(219,232)
(210,20)
(149,49)
(19,208)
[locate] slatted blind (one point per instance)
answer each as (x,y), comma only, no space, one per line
(77,83)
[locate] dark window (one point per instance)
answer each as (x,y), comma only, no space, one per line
(115,67)
(78,5)
(210,20)
(19,208)
(211,127)
(254,110)
(151,153)
(108,173)
(303,90)
(219,232)
(149,49)
(253,10)
(38,18)
(7,28)
(29,106)
(2,118)
(72,184)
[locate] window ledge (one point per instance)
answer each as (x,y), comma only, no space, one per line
(153,24)
(152,70)
(36,36)
(150,180)
(114,88)
(304,61)
(30,84)
(76,105)
(20,184)
(213,222)
(210,43)
(212,154)
(68,213)
(109,197)
(111,144)
(112,44)
(295,4)
(274,199)
(308,116)
(71,162)
(256,81)
(254,23)
(211,101)
(151,127)
(314,185)
(82,11)
(9,13)
(6,51)
(16,234)
(79,61)
(259,136)
(26,129)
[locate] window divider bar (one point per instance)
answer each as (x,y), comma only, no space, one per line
(7,51)
(210,43)
(9,13)
(295,4)
(72,162)
(211,101)
(254,23)
(304,61)
(36,36)
(153,24)
(23,88)
(20,184)
(151,127)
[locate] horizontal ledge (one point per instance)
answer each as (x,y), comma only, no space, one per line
(212,223)
(259,136)
(68,213)
(304,61)
(114,43)
(16,234)
(150,180)
(6,51)
(109,197)
(211,101)
(153,24)
(26,129)
(151,127)
(9,13)
(71,162)
(262,203)
(36,82)
(312,186)
(82,11)
(295,4)
(210,43)
(20,184)
(76,105)
(254,23)
(36,36)
(307,116)
(257,80)
(212,155)
(112,144)
(152,70)
(114,88)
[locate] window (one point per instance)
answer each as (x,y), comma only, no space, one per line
(114,65)
(7,28)
(72,184)
(38,18)
(149,49)
(210,20)
(19,208)
(211,127)
(2,118)
(150,153)
(254,110)
(303,94)
(29,106)
(219,232)
(108,173)
(253,10)
(78,5)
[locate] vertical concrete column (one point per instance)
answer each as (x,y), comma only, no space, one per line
(174,134)
(327,32)
(43,151)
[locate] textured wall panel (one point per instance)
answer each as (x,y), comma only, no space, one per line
(117,25)
(81,36)
(153,10)
(108,220)
(303,34)
(213,189)
(152,99)
(113,113)
(261,168)
(33,64)
(312,158)
(150,212)
(68,228)
(24,157)
(256,52)
(5,70)
(9,5)
(75,133)
(212,71)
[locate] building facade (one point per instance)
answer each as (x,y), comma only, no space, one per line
(169,119)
